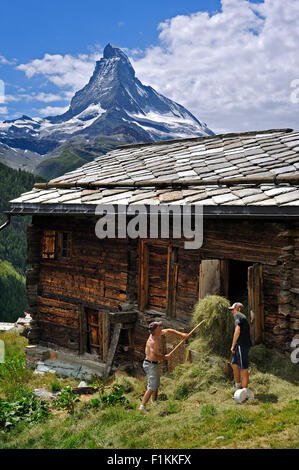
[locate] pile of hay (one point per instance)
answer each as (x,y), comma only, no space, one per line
(218,328)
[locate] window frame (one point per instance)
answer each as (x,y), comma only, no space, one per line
(60,244)
(55,239)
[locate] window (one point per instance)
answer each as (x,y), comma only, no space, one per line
(64,244)
(56,244)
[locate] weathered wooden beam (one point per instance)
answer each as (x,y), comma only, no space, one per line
(112,348)
(122,317)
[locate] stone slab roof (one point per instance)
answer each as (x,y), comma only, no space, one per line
(260,154)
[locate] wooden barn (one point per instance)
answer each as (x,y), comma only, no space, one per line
(96,297)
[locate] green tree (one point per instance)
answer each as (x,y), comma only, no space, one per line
(13,245)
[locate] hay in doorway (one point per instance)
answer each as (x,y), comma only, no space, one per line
(218,328)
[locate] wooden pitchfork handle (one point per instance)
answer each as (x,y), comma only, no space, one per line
(183,340)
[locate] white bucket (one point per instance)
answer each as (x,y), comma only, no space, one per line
(240,395)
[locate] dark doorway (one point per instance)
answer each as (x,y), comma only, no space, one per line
(238,282)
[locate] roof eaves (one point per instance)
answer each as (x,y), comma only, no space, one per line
(225,211)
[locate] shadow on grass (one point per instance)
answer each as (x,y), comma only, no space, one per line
(267,360)
(267,397)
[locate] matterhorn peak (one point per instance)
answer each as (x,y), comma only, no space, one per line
(113,51)
(113,103)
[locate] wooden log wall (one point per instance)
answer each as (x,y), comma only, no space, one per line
(255,241)
(294,276)
(187,290)
(157,277)
(95,276)
(34,237)
(105,274)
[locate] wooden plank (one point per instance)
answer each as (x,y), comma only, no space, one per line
(48,244)
(66,337)
(100,333)
(256,303)
(158,276)
(122,317)
(175,289)
(224,277)
(259,303)
(209,283)
(112,348)
(169,280)
(60,325)
(82,331)
(93,329)
(251,307)
(144,278)
(106,335)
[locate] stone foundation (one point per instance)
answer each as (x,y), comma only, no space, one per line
(64,364)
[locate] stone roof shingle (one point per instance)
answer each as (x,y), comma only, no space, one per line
(264,154)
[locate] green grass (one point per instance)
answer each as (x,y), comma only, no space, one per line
(199,411)
(74,155)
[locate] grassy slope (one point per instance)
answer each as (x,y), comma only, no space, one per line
(74,156)
(199,412)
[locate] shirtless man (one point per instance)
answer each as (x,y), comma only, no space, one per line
(152,357)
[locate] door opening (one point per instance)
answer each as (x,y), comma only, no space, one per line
(238,283)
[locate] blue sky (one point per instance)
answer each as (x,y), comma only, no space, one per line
(195,52)
(29,28)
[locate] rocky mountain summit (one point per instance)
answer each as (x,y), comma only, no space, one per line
(114,104)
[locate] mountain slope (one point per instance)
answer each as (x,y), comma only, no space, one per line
(114,96)
(114,104)
(19,158)
(74,155)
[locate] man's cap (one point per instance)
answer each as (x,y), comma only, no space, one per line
(152,326)
(236,305)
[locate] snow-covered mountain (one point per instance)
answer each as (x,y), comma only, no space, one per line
(114,103)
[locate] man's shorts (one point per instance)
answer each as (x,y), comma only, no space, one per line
(240,356)
(153,375)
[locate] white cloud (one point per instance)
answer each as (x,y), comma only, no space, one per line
(43,97)
(3,110)
(232,69)
(62,70)
(2,91)
(5,61)
(47,97)
(52,110)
